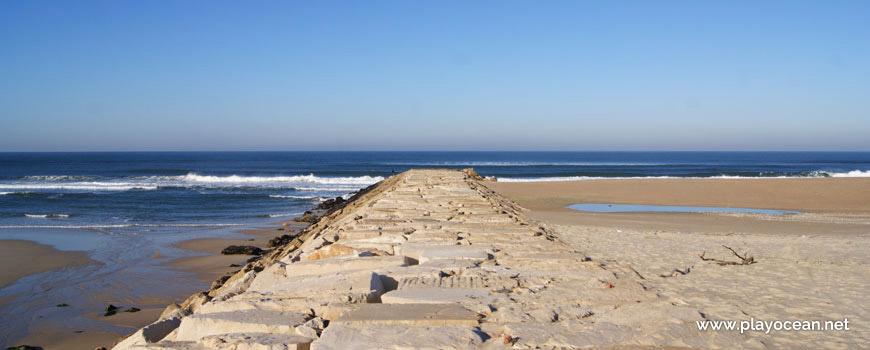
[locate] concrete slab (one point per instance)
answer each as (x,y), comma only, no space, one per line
(409,315)
(197,326)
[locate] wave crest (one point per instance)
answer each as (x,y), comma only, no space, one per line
(46,216)
(305,179)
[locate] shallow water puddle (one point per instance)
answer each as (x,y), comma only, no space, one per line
(636,208)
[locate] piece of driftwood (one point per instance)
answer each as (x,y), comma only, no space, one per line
(745,259)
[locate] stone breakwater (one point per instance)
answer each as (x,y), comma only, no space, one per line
(428,259)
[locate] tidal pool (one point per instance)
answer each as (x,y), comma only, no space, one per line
(636,208)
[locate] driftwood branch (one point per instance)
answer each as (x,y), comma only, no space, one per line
(677,272)
(745,259)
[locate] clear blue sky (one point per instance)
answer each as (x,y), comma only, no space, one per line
(434,75)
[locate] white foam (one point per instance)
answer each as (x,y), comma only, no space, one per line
(524,164)
(309,182)
(117,226)
(284,215)
(46,216)
(853,173)
(291,197)
(304,179)
(327,188)
(5,193)
(57,178)
(80,186)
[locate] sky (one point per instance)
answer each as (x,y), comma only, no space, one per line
(434,75)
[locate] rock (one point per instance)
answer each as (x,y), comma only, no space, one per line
(280,241)
(330,203)
(151,333)
(472,174)
(307,217)
(173,310)
(62,305)
(24,347)
(241,249)
(195,301)
(133,309)
(111,310)
(331,251)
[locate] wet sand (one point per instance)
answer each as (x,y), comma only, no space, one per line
(206,268)
(17,259)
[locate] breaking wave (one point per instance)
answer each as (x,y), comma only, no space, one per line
(79,186)
(117,226)
(295,197)
(191,180)
(853,173)
(47,216)
(284,215)
(304,179)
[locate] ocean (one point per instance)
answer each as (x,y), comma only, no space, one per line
(122,207)
(137,192)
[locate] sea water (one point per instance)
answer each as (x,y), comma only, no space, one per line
(639,208)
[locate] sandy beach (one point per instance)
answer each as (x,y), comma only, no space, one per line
(811,266)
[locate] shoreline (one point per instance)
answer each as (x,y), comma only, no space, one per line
(205,268)
(841,195)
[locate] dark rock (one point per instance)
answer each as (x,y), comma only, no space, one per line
(307,217)
(330,203)
(253,259)
(280,240)
(219,282)
(111,310)
(24,347)
(133,309)
(241,249)
(235,265)
(62,305)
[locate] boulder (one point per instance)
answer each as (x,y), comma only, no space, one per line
(242,249)
(279,241)
(330,203)
(150,334)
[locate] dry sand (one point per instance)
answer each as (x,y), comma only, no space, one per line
(811,266)
(14,254)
